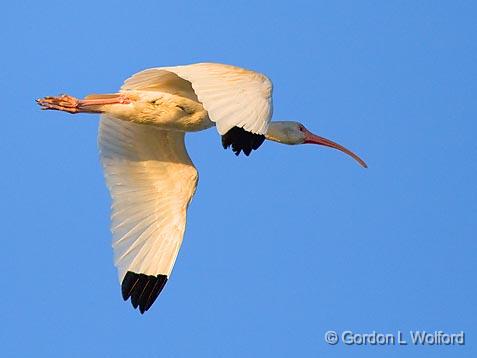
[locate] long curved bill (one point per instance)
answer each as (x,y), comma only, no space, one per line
(315,139)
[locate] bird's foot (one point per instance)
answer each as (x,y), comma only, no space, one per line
(90,104)
(63,102)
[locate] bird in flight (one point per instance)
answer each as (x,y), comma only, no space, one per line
(148,171)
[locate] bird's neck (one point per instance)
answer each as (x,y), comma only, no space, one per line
(281,132)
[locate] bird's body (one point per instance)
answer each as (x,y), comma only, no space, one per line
(163,110)
(149,173)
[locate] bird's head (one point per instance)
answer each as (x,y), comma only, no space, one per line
(288,132)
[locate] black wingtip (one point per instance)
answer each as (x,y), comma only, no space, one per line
(241,140)
(142,289)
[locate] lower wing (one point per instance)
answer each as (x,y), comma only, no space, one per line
(151,180)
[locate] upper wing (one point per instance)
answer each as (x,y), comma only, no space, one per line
(151,180)
(233,96)
(159,80)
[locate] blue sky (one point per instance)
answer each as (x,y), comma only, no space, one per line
(282,246)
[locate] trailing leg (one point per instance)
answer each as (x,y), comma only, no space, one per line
(90,104)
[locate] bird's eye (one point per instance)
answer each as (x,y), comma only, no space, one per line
(301,127)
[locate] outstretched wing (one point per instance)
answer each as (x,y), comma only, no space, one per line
(233,96)
(151,180)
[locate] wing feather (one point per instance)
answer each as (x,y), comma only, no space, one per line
(151,180)
(233,96)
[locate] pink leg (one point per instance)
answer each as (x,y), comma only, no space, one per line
(73,105)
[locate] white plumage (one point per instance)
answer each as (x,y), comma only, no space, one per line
(147,169)
(231,95)
(151,179)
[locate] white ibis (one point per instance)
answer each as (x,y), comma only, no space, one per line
(148,171)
